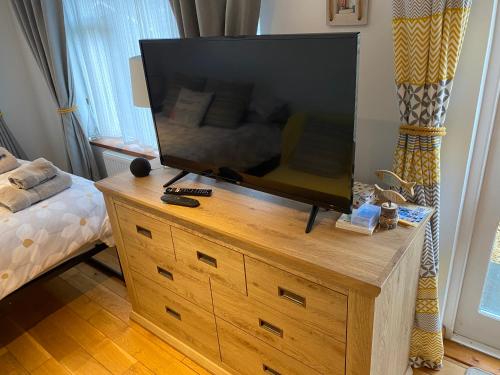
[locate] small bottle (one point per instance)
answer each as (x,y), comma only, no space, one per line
(388,215)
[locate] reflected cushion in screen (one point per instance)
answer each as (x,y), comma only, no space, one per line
(229,104)
(174,86)
(190,108)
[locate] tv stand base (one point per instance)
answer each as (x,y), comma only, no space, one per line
(312,217)
(176,178)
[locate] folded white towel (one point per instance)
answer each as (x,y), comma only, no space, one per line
(7,161)
(18,199)
(32,174)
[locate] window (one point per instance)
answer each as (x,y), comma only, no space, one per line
(102,36)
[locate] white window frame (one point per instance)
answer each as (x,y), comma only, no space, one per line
(484,123)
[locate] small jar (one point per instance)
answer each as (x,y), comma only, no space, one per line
(389,215)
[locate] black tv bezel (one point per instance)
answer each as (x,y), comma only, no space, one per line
(338,204)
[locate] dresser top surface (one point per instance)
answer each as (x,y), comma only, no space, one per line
(273,227)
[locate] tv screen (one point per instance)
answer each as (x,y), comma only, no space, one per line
(273,113)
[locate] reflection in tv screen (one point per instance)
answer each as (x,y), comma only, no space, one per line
(274,113)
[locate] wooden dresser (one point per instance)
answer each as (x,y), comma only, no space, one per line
(238,287)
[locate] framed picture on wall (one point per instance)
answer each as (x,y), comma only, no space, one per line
(347,12)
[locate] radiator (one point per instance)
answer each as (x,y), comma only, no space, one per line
(116,162)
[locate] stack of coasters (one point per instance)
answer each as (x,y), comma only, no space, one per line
(362,193)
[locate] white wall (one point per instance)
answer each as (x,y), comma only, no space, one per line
(378,116)
(28,108)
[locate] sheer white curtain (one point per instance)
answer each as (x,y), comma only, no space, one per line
(102,36)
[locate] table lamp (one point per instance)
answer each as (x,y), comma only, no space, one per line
(138,81)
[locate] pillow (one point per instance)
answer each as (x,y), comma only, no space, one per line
(229,105)
(267,109)
(190,108)
(324,149)
(279,117)
(266,105)
(178,81)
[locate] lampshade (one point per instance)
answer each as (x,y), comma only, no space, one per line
(138,80)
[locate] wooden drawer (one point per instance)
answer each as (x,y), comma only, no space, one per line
(172,275)
(250,356)
(177,316)
(223,265)
(303,300)
(311,347)
(149,234)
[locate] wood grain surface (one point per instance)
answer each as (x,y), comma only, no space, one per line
(319,307)
(269,227)
(145,232)
(249,356)
(173,275)
(309,346)
(207,258)
(78,323)
(181,318)
(27,346)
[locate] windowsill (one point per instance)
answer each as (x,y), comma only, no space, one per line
(132,149)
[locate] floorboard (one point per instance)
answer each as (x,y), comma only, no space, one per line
(78,323)
(471,357)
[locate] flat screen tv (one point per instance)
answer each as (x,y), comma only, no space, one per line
(272,113)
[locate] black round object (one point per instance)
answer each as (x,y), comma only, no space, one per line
(140,167)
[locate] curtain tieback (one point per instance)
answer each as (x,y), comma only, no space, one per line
(63,111)
(422,130)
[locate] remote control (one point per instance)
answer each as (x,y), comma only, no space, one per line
(180,201)
(185,191)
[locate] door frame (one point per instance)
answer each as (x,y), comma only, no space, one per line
(471,322)
(485,122)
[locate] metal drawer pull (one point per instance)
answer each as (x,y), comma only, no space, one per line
(173,313)
(145,232)
(271,328)
(165,273)
(291,296)
(206,259)
(269,370)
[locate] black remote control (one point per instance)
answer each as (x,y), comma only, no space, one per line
(179,201)
(185,191)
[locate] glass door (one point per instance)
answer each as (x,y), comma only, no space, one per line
(490,299)
(478,315)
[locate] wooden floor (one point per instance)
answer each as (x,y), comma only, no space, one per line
(78,323)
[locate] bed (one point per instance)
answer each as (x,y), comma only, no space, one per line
(51,233)
(241,148)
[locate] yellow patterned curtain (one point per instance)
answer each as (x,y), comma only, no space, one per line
(428,36)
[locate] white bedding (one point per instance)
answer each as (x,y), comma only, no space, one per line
(241,148)
(36,239)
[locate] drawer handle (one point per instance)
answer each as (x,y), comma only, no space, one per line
(269,370)
(270,328)
(145,232)
(206,259)
(292,297)
(162,271)
(173,313)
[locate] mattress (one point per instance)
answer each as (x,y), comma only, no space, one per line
(244,147)
(38,238)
